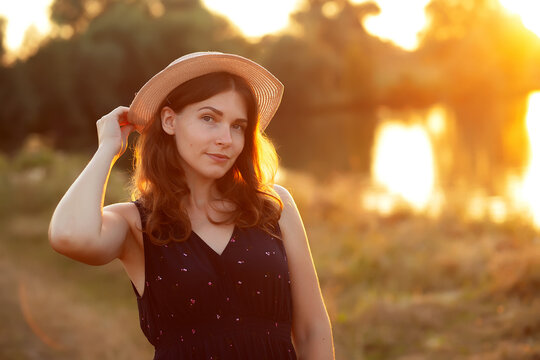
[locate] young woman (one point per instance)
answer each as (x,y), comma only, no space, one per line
(216,253)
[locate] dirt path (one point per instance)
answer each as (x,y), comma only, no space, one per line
(47,317)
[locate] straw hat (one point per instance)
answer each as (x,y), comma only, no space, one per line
(266,88)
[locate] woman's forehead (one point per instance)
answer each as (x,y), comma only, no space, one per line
(228,103)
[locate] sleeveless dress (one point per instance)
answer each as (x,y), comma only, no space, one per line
(198,304)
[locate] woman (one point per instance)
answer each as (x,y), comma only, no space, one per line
(216,253)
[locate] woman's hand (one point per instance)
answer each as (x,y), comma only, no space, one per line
(113,131)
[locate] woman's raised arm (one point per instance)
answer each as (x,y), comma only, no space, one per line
(80,228)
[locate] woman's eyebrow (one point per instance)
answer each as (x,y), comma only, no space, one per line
(220,113)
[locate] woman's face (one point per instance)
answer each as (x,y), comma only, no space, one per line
(209,134)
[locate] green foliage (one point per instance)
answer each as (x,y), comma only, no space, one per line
(68,12)
(28,160)
(70,83)
(34,180)
(473,57)
(328,73)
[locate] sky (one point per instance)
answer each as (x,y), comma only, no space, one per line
(399,21)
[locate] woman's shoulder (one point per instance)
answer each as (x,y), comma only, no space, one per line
(285,196)
(290,211)
(290,223)
(127,210)
(283,193)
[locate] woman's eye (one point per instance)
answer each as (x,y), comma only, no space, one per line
(207,118)
(239,127)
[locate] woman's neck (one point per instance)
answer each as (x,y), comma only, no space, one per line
(205,201)
(200,194)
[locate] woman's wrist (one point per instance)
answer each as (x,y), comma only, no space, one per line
(108,150)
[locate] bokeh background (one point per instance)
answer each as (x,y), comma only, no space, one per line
(409,135)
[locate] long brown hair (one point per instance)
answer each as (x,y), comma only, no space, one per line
(159,181)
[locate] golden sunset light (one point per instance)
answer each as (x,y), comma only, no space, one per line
(403,163)
(402,154)
(480,207)
(21,15)
(526,191)
(398,22)
(527,10)
(436,121)
(409,16)
(255,18)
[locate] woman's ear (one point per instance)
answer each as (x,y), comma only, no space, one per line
(168,120)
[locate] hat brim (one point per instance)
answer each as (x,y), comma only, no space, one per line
(266,88)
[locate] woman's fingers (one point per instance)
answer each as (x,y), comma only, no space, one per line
(123,119)
(114,130)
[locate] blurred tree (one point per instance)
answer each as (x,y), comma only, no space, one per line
(18,100)
(180,4)
(68,12)
(76,14)
(485,60)
(473,57)
(328,69)
(72,82)
(477,43)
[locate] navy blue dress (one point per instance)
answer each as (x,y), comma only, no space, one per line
(198,304)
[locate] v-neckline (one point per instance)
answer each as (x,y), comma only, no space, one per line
(210,248)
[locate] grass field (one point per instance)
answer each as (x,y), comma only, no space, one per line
(396,287)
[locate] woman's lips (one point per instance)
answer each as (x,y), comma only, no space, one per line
(218,157)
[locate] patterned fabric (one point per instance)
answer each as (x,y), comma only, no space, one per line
(198,304)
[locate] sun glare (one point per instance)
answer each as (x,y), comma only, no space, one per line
(527,192)
(22,14)
(528,11)
(403,162)
(255,18)
(399,21)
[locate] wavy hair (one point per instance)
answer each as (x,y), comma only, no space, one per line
(158,181)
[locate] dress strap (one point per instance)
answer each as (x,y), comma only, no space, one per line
(142,211)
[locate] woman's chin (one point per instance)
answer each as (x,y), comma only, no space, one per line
(215,175)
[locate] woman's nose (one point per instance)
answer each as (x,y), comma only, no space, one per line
(224,136)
